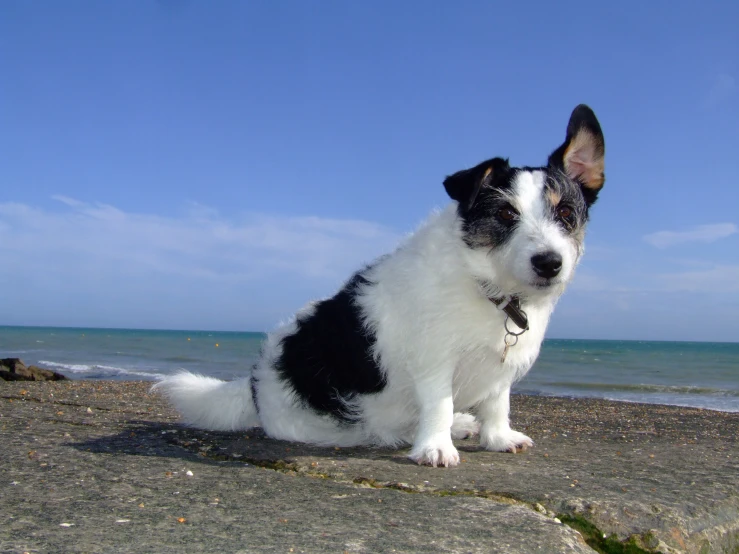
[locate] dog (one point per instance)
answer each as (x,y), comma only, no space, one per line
(422,346)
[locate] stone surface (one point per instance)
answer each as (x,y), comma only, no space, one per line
(112,462)
(13,369)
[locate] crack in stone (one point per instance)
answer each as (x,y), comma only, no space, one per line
(634,544)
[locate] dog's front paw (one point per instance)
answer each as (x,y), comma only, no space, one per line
(435,452)
(464,426)
(505,441)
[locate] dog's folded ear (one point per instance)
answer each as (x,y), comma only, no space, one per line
(465,185)
(582,156)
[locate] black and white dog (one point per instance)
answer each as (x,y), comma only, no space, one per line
(423,345)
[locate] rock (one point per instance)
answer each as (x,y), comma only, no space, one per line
(41,374)
(7,375)
(13,369)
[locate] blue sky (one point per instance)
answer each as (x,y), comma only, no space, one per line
(214,165)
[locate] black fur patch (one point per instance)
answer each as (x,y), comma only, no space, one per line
(570,194)
(481,222)
(329,357)
(481,191)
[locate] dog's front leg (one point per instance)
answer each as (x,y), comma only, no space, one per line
(433,443)
(495,429)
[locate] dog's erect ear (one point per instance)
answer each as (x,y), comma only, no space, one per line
(464,185)
(582,156)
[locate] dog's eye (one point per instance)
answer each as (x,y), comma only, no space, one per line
(565,212)
(507,213)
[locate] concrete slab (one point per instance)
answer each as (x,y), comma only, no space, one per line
(112,461)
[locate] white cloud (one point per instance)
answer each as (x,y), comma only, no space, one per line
(588,281)
(68,201)
(720,279)
(701,233)
(101,238)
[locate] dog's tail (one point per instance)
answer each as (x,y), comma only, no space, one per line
(209,403)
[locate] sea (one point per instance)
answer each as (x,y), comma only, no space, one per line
(698,374)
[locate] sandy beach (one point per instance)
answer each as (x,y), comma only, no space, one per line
(92,466)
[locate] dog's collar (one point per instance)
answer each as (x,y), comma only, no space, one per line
(510,305)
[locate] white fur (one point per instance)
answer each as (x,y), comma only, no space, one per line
(229,405)
(439,341)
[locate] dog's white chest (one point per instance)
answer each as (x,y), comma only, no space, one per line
(488,367)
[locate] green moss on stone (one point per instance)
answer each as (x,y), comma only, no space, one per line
(595,539)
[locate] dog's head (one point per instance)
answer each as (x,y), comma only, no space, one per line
(525,226)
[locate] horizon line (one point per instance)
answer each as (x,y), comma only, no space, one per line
(150,329)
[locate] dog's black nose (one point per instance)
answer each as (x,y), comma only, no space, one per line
(547,264)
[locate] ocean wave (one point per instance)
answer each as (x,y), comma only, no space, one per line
(706,404)
(101,369)
(77,368)
(644,388)
(145,374)
(718,403)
